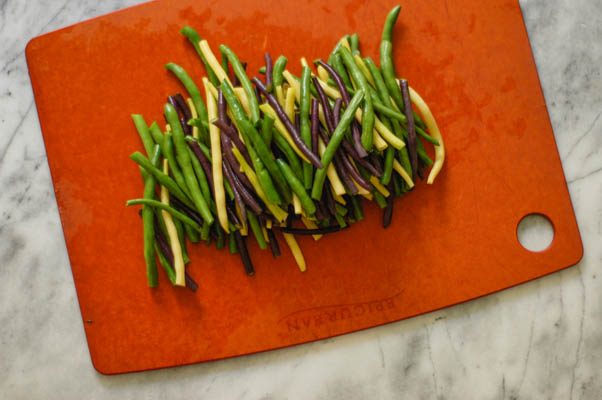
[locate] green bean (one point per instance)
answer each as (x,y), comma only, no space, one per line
(354,43)
(166,144)
(194,39)
(358,213)
(265,181)
(171,275)
(267,129)
(305,132)
(368,110)
(383,95)
(232,243)
(183,158)
(338,65)
(174,213)
(191,234)
(205,232)
(160,221)
(340,220)
(379,106)
(341,209)
(156,133)
(240,73)
(162,178)
(297,186)
(381,89)
(168,151)
(388,166)
(145,135)
(422,155)
(193,90)
(258,151)
(289,153)
(389,112)
(221,240)
(335,140)
(180,230)
(262,70)
(426,136)
(380,199)
(204,148)
(148,223)
(200,176)
(386,59)
(234,105)
(225,66)
(256,229)
(397,185)
(266,157)
(278,69)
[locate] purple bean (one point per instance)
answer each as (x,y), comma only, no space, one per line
(355,129)
(258,95)
(388,212)
(376,163)
(274,246)
(357,143)
(182,106)
(421,170)
(234,138)
(222,112)
(412,149)
(180,206)
(318,231)
(324,206)
(205,164)
(336,111)
(312,157)
(237,197)
(325,105)
(166,250)
(337,80)
(190,282)
(354,173)
(234,80)
(232,161)
(344,174)
(319,211)
(268,71)
(324,135)
(163,244)
(168,254)
(315,125)
(232,215)
(244,253)
(173,100)
(330,203)
(369,167)
(245,195)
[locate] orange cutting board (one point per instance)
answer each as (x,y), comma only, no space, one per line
(450,242)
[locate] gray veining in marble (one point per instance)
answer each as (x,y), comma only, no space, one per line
(542,340)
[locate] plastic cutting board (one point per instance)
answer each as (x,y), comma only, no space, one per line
(450,242)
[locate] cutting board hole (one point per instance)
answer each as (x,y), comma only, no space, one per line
(535,232)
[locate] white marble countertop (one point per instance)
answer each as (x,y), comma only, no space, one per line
(541,340)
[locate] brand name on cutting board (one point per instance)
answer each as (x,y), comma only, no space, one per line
(319,316)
